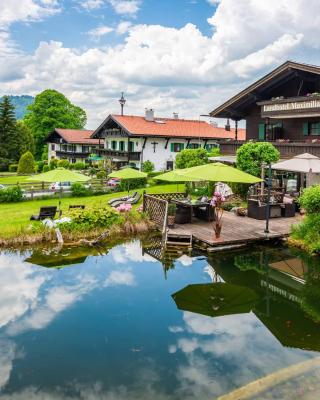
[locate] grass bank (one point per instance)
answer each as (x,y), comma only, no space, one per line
(16,227)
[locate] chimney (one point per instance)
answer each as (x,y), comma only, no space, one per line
(149,114)
(175,115)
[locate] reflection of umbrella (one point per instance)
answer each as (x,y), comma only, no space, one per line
(215,299)
(215,172)
(60,258)
(59,175)
(127,174)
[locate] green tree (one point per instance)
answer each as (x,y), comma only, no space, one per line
(25,138)
(50,110)
(8,149)
(147,166)
(191,158)
(26,164)
(250,156)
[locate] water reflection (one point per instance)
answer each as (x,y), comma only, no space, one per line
(107,327)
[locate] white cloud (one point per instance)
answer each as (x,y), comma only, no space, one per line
(171,69)
(26,11)
(126,7)
(91,4)
(123,27)
(96,33)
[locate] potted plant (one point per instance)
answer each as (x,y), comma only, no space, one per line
(217,201)
(171,214)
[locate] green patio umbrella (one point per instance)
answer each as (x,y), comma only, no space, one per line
(175,176)
(217,172)
(59,175)
(127,174)
(215,299)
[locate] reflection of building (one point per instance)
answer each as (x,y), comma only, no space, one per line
(283,107)
(135,139)
(72,145)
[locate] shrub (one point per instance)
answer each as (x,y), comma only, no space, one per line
(95,217)
(13,167)
(131,184)
(53,163)
(93,171)
(214,152)
(4,164)
(101,174)
(46,168)
(26,164)
(308,233)
(147,166)
(310,199)
(40,164)
(191,157)
(79,190)
(250,156)
(11,194)
(63,163)
(78,166)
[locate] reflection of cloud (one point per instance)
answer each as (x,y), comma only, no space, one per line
(130,252)
(124,277)
(232,350)
(19,288)
(7,355)
(175,329)
(185,260)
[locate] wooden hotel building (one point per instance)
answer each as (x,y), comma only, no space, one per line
(283,107)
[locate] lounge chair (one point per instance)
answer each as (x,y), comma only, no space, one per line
(131,200)
(72,206)
(45,212)
(122,199)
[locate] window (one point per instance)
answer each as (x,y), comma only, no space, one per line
(314,128)
(114,145)
(131,146)
(121,146)
(169,165)
(211,146)
(85,149)
(52,146)
(193,145)
(176,147)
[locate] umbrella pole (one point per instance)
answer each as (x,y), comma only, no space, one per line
(60,196)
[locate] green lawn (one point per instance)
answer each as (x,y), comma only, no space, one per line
(15,217)
(11,180)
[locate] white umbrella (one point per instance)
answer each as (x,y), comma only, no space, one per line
(304,163)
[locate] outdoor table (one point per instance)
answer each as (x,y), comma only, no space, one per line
(190,204)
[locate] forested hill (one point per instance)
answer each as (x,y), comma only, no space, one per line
(20,103)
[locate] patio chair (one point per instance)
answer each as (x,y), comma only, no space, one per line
(72,206)
(130,200)
(45,212)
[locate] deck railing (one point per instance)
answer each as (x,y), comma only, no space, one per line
(286,149)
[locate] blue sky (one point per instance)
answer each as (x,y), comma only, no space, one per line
(72,24)
(184,56)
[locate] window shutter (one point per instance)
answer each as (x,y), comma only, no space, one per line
(262,131)
(181,146)
(305,129)
(172,147)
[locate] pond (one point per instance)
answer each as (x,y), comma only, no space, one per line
(131,322)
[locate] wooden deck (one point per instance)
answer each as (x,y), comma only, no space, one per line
(235,230)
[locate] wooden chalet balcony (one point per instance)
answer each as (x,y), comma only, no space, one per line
(286,149)
(131,155)
(66,153)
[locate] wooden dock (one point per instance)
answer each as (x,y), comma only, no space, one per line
(235,230)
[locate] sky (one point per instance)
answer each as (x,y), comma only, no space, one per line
(185,56)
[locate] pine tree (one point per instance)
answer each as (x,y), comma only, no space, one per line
(8,134)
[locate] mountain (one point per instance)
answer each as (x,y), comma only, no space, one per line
(21,103)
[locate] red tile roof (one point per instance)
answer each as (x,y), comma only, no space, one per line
(137,125)
(77,136)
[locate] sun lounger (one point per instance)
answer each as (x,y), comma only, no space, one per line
(72,206)
(121,199)
(130,200)
(45,212)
